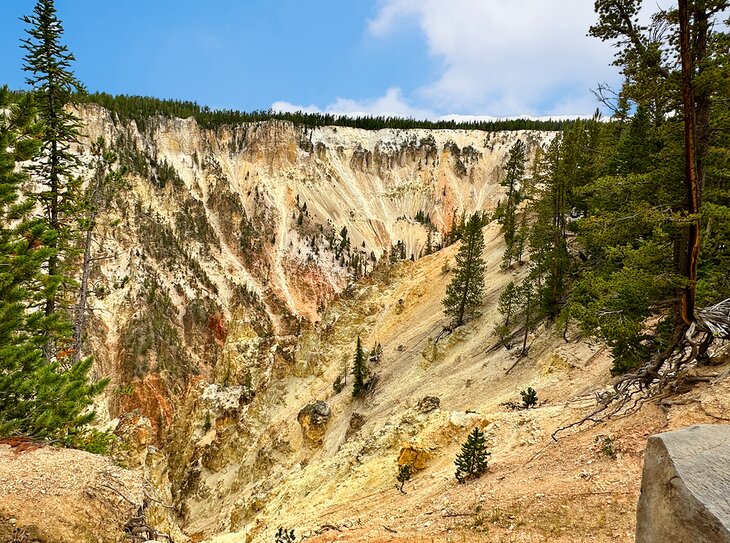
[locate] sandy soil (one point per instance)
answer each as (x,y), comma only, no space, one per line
(58,495)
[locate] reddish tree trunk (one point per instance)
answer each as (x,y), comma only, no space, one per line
(687,296)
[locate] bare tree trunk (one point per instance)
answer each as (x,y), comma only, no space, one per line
(81,309)
(527,321)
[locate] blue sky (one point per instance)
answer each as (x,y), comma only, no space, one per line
(422,58)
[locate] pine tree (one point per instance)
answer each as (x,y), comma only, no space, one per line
(36,398)
(359,370)
(528,310)
(518,248)
(404,475)
(49,65)
(464,293)
(513,181)
(472,461)
(428,247)
(509,301)
(666,177)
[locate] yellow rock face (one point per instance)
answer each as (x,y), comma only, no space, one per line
(314,419)
(414,456)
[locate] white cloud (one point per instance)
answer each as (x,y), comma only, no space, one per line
(493,58)
(392,103)
(506,57)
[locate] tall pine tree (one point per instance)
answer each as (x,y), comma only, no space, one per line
(359,370)
(35,397)
(514,178)
(48,63)
(664,184)
(464,293)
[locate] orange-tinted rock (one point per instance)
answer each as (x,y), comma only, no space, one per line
(414,455)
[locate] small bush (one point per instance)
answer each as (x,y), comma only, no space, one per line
(607,446)
(284,535)
(339,384)
(529,398)
(93,441)
(404,474)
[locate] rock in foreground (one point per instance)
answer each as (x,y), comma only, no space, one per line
(685,487)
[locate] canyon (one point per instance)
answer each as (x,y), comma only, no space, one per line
(240,266)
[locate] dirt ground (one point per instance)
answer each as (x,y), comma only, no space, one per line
(52,494)
(582,488)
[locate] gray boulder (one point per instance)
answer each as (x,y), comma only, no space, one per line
(685,487)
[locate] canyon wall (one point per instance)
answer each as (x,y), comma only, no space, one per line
(259,226)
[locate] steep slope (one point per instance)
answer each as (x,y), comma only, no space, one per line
(263,223)
(257,464)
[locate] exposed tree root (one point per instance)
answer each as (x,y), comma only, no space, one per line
(669,372)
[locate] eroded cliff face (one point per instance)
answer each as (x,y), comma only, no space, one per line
(254,229)
(241,264)
(227,308)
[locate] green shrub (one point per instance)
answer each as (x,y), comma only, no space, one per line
(529,398)
(607,446)
(93,441)
(284,535)
(472,461)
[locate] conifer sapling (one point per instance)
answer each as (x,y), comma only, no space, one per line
(404,475)
(472,461)
(529,398)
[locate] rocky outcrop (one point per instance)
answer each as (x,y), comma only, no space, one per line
(685,487)
(415,455)
(138,437)
(428,404)
(313,419)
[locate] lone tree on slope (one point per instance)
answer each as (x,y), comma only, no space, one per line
(404,475)
(472,461)
(359,370)
(464,293)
